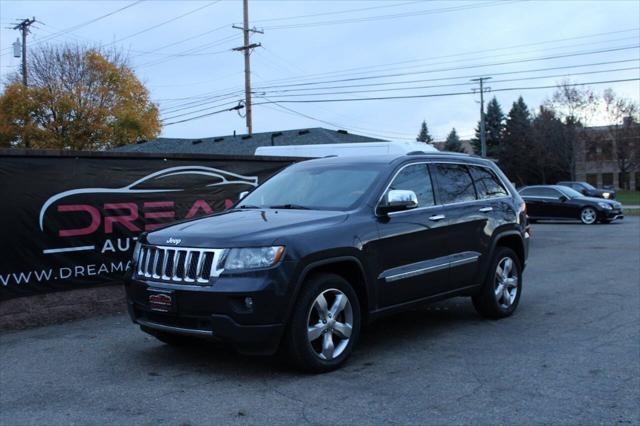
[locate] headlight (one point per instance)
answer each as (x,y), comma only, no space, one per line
(252,258)
(605,206)
(606,194)
(136,251)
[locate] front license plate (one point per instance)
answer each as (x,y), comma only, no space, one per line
(161,302)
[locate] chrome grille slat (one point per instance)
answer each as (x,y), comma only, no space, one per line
(184,265)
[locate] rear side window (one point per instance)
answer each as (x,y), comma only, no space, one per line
(540,192)
(487,183)
(415,178)
(454,183)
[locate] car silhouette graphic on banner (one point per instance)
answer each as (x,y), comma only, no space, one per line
(163,181)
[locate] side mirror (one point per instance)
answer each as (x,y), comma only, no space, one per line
(242,195)
(584,192)
(397,200)
(563,198)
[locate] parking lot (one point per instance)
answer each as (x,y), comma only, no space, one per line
(570,355)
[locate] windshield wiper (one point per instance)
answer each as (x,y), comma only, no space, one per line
(290,207)
(248,206)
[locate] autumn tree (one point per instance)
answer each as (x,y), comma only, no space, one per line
(78,98)
(453,142)
(424,135)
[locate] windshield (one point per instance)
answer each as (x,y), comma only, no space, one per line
(571,193)
(317,188)
(588,186)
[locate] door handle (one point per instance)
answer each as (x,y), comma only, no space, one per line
(485,209)
(437,217)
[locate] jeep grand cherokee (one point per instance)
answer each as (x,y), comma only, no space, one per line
(327,245)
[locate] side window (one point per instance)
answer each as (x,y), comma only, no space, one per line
(454,183)
(415,178)
(549,192)
(487,184)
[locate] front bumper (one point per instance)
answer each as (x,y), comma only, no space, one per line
(610,215)
(219,311)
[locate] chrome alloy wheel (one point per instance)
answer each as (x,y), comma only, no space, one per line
(329,324)
(588,215)
(506,286)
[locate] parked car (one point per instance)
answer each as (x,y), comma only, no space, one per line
(589,190)
(326,245)
(562,202)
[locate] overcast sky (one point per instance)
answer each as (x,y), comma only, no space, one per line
(182,51)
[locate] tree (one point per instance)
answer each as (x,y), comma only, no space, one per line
(548,142)
(494,129)
(575,106)
(453,143)
(624,131)
(78,98)
(516,152)
(424,135)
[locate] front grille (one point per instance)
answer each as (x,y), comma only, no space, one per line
(178,265)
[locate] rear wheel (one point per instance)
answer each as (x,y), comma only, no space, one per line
(588,215)
(325,324)
(501,291)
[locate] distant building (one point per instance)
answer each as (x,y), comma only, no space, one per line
(245,144)
(596,159)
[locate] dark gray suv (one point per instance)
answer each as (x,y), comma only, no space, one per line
(326,245)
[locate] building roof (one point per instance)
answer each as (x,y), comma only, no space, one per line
(244,144)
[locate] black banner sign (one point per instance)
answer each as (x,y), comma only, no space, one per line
(70,220)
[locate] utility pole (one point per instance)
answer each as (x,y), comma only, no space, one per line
(483,135)
(246,49)
(24,28)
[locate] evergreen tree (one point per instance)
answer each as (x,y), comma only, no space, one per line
(424,135)
(516,153)
(494,129)
(550,143)
(453,143)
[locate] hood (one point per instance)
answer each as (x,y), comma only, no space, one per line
(612,203)
(235,228)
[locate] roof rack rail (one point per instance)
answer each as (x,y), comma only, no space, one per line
(416,153)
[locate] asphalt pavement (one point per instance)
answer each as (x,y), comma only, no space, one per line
(570,355)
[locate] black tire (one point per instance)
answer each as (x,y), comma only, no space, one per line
(303,353)
(487,303)
(171,339)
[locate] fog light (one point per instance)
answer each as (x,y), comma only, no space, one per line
(248,302)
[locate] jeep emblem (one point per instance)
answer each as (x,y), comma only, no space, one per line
(174,241)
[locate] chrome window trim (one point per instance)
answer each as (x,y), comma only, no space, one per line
(435,161)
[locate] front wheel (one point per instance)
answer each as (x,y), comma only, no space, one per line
(325,324)
(501,291)
(588,216)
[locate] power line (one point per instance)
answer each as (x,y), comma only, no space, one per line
(448,94)
(234,94)
(236,108)
(391,16)
(337,12)
(465,77)
(348,71)
(433,95)
(153,27)
(455,84)
(84,24)
(593,52)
